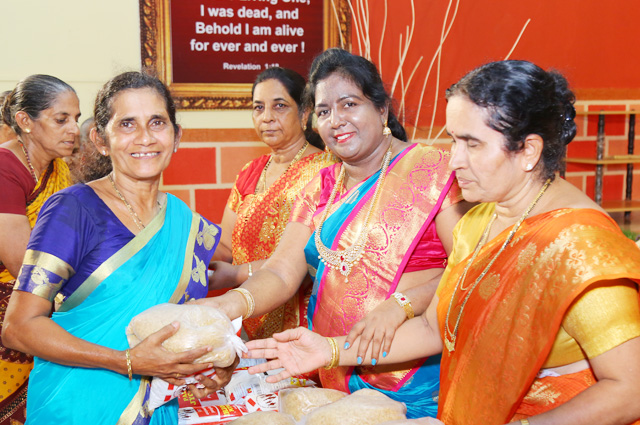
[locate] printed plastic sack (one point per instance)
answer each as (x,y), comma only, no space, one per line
(297,402)
(199,326)
(363,407)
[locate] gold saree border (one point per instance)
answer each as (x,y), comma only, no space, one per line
(135,406)
(185,277)
(115,261)
(49,262)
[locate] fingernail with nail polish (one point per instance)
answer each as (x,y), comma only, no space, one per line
(359,360)
(373,362)
(346,345)
(384,354)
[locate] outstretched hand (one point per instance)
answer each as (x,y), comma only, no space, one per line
(377,329)
(296,350)
(150,358)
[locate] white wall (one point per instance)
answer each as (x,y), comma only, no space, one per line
(83,42)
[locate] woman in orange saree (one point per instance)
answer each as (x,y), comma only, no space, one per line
(537,314)
(262,198)
(42,111)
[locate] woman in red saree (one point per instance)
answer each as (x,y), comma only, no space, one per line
(42,113)
(262,197)
(537,314)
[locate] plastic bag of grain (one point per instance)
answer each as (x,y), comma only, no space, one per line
(363,407)
(297,402)
(199,326)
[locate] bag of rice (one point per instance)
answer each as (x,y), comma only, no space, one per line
(199,326)
(265,418)
(363,407)
(297,402)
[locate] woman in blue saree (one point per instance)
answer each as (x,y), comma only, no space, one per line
(102,253)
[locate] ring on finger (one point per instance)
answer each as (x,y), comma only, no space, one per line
(177,375)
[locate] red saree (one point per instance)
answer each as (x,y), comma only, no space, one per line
(259,226)
(511,320)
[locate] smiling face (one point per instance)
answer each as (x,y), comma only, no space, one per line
(56,128)
(140,136)
(485,171)
(276,116)
(348,122)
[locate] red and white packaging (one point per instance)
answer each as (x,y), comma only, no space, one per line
(210,415)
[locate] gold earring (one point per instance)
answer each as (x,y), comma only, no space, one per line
(386,131)
(27,130)
(304,127)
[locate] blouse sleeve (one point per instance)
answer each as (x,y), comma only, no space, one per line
(56,246)
(15,184)
(604,317)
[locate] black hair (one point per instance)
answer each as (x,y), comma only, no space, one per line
(522,99)
(362,73)
(294,83)
(32,95)
(102,110)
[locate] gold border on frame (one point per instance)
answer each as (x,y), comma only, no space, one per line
(155,42)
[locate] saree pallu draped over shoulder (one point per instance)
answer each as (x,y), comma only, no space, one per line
(156,266)
(417,184)
(511,320)
(15,366)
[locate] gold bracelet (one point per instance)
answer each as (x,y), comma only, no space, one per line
(129,371)
(335,353)
(524,421)
(248,298)
(250,270)
(405,303)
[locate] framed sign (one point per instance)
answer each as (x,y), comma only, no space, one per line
(208,52)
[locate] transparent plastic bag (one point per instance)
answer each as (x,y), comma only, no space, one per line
(265,418)
(199,326)
(297,402)
(363,407)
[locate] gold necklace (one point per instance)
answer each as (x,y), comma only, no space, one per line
(449,336)
(263,174)
(132,213)
(31,169)
(344,260)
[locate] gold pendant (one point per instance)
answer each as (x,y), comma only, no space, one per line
(451,345)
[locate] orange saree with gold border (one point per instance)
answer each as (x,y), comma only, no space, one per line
(511,320)
(261,219)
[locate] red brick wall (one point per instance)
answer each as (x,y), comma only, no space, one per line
(204,169)
(616,136)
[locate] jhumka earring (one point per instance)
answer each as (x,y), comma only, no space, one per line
(386,131)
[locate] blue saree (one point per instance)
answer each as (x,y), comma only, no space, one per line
(103,275)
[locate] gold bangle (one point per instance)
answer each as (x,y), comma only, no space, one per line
(250,270)
(335,353)
(524,421)
(248,298)
(129,371)
(405,303)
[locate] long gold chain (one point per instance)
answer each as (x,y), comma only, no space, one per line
(263,174)
(132,213)
(344,260)
(449,336)
(26,155)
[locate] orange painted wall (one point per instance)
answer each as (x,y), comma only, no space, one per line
(592,42)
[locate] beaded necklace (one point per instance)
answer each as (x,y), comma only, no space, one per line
(263,174)
(31,169)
